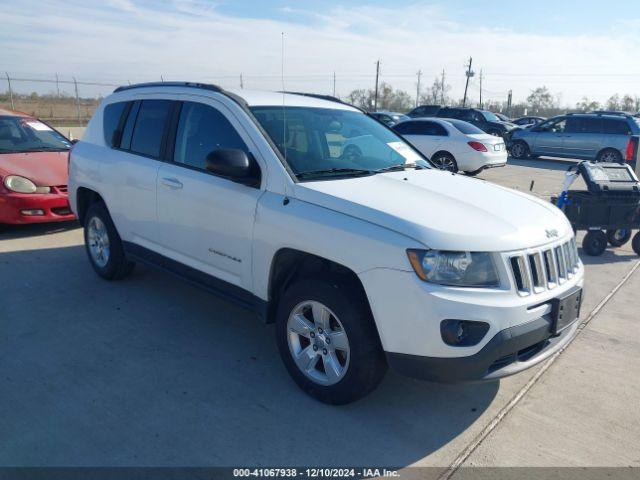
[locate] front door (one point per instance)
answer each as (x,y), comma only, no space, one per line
(549,138)
(206,221)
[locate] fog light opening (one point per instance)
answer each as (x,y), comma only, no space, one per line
(463,333)
(32,212)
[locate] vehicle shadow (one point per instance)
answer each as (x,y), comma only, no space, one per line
(543,163)
(12,232)
(611,255)
(152,371)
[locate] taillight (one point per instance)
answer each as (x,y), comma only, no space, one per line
(632,146)
(477,146)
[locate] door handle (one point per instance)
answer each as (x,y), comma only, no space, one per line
(172,183)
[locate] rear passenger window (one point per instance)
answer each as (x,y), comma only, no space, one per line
(616,127)
(149,127)
(433,129)
(201,130)
(408,128)
(111,123)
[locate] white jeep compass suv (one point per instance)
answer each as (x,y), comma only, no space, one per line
(324,221)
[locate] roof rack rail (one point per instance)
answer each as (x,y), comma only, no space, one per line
(320,96)
(205,86)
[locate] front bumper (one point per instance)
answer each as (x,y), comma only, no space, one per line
(21,208)
(510,351)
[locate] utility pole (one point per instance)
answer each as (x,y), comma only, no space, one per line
(334,84)
(418,88)
(442,90)
(241,82)
(469,73)
(10,91)
(509,97)
(480,88)
(58,86)
(375,97)
(75,85)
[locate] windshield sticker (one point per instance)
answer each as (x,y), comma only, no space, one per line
(404,150)
(41,127)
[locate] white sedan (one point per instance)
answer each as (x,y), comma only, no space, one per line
(454,145)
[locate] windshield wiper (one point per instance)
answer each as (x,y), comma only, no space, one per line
(400,166)
(45,149)
(343,171)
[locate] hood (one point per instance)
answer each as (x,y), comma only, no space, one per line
(45,169)
(442,210)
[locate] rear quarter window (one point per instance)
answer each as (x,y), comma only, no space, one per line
(111,123)
(616,127)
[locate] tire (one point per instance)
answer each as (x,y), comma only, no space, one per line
(103,244)
(445,161)
(635,244)
(594,243)
(619,237)
(609,155)
(359,367)
(520,150)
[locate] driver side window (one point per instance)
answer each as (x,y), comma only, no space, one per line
(201,130)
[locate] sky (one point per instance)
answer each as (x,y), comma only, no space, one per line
(576,48)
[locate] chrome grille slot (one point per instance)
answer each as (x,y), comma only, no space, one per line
(535,271)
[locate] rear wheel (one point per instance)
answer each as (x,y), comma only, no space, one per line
(103,244)
(618,237)
(594,243)
(610,155)
(328,342)
(445,161)
(520,149)
(636,243)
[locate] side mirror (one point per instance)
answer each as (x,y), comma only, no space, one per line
(233,164)
(74,141)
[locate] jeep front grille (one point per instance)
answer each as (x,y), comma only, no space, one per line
(537,270)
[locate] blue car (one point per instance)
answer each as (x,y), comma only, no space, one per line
(586,136)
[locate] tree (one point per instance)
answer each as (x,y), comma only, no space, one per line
(627,104)
(541,99)
(587,105)
(437,93)
(388,98)
(613,103)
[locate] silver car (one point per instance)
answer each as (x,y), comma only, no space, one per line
(587,136)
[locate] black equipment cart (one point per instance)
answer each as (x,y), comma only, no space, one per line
(610,204)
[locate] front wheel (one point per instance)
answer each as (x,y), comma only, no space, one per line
(103,244)
(594,243)
(328,341)
(619,237)
(520,150)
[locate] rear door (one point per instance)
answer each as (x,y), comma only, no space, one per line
(206,221)
(549,138)
(615,134)
(426,136)
(582,137)
(132,168)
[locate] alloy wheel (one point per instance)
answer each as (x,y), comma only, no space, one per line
(445,163)
(318,342)
(98,240)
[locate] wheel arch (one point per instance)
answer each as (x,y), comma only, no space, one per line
(85,197)
(289,264)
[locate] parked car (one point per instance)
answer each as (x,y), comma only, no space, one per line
(453,144)
(502,117)
(483,119)
(33,171)
(527,122)
(389,118)
(587,136)
(362,261)
(424,111)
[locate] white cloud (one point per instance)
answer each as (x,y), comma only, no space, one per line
(132,41)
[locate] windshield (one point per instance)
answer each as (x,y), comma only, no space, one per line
(465,127)
(25,134)
(323,140)
(489,117)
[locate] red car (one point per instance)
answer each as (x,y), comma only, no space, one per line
(33,171)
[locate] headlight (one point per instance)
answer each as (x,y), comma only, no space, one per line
(18,184)
(460,269)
